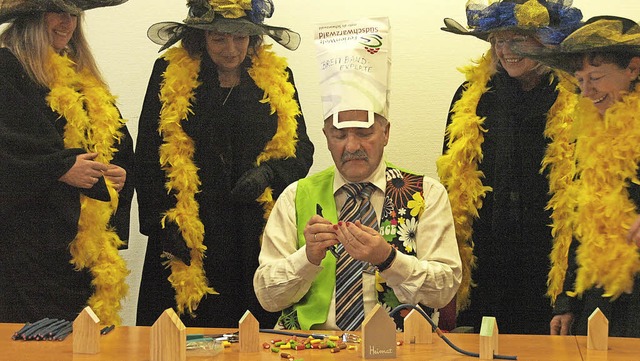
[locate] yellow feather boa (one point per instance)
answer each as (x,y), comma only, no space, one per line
(606,157)
(87,105)
(458,167)
(176,155)
(559,160)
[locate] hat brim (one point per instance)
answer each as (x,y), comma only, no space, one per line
(452,26)
(75,7)
(562,58)
(92,4)
(600,34)
(168,33)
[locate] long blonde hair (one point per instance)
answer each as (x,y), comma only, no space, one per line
(28,39)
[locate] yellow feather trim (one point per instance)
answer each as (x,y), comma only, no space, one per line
(269,72)
(458,167)
(558,159)
(607,157)
(93,123)
(176,155)
(176,158)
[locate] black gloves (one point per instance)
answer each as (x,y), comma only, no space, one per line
(173,245)
(252,183)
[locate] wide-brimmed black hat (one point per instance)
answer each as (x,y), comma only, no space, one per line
(550,20)
(10,9)
(600,34)
(225,16)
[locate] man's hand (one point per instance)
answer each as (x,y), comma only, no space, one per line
(363,243)
(116,175)
(85,172)
(561,324)
(319,235)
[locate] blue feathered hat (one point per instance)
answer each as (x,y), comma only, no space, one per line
(550,20)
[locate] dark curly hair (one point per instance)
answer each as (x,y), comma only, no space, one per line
(621,59)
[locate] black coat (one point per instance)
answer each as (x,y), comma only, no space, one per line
(228,139)
(38,213)
(512,238)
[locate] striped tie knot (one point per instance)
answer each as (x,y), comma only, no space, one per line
(355,190)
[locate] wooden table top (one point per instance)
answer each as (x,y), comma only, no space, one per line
(129,343)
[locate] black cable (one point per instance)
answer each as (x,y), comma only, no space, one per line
(441,334)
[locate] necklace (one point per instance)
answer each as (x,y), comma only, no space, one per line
(229,93)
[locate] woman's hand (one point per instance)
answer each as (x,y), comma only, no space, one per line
(634,232)
(116,175)
(85,172)
(561,324)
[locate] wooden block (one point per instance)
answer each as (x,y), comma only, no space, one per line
(417,329)
(86,332)
(378,334)
(488,338)
(168,338)
(598,331)
(249,333)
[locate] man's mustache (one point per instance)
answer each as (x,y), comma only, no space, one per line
(357,155)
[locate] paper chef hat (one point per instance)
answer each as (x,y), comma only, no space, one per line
(354,60)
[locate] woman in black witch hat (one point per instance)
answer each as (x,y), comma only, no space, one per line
(595,263)
(65,168)
(494,144)
(221,134)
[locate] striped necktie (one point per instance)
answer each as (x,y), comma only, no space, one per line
(349,302)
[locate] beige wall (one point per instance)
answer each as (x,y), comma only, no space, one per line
(424,75)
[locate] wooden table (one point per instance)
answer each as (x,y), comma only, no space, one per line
(132,344)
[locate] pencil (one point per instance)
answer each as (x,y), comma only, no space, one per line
(333,249)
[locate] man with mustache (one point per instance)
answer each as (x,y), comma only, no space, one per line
(391,227)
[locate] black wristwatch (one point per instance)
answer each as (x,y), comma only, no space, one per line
(387,262)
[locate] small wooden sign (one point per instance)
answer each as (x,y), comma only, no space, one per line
(86,332)
(168,338)
(378,334)
(488,338)
(598,331)
(249,333)
(417,329)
